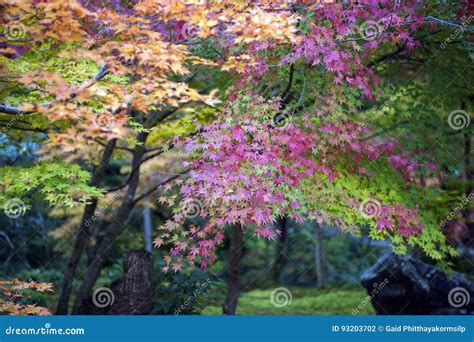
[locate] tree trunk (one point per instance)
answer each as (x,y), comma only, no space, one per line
(233,287)
(468,177)
(281,250)
(81,237)
(134,291)
(69,273)
(467,162)
(114,229)
(7,242)
(132,294)
(147,226)
(116,226)
(319,256)
(469,181)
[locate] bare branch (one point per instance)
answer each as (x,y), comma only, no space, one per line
(428,19)
(156,187)
(116,147)
(383,131)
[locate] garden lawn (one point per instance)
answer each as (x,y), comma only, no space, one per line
(305,301)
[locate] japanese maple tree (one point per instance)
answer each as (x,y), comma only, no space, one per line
(91,81)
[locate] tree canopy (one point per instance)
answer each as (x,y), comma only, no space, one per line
(235,113)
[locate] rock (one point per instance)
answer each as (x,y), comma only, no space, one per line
(401,285)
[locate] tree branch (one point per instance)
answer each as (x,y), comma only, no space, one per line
(385,130)
(154,118)
(26,129)
(116,147)
(428,19)
(399,49)
(6,109)
(156,187)
(285,97)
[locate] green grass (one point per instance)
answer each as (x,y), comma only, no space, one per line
(305,301)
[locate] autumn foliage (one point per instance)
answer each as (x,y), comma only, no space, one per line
(100,80)
(13,293)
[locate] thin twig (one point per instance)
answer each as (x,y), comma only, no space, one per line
(156,187)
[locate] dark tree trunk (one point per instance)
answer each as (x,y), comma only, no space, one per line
(81,237)
(469,181)
(113,230)
(8,245)
(132,294)
(134,291)
(69,273)
(123,212)
(468,178)
(281,250)
(147,226)
(467,162)
(235,255)
(319,256)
